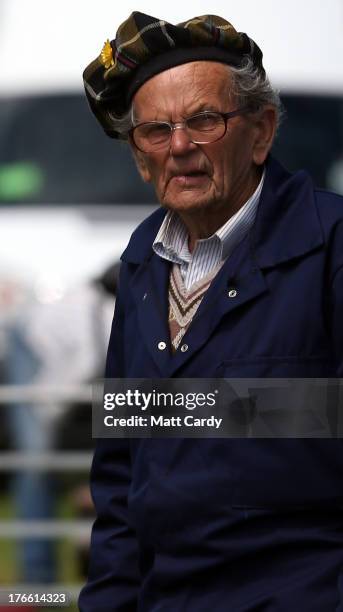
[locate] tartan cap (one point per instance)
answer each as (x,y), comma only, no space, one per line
(145,46)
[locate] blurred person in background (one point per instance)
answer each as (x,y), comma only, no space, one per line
(238,274)
(52,345)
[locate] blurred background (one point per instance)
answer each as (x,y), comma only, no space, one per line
(69,200)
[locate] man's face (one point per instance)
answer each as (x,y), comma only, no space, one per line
(192,177)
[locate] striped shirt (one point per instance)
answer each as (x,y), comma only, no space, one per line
(171,241)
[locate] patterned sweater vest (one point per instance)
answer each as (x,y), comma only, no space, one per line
(184,303)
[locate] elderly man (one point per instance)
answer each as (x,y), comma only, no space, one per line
(238,274)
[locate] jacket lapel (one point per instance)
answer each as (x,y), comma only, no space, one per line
(149,288)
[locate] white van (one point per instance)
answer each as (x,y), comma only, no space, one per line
(69,196)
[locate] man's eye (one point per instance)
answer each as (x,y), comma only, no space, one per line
(156,132)
(205,122)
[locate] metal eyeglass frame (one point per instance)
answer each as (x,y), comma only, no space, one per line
(183,124)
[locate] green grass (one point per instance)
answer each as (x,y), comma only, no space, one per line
(8,560)
(67,567)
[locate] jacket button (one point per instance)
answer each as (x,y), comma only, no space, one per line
(161,346)
(184,348)
(232,293)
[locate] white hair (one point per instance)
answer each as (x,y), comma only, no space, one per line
(253,89)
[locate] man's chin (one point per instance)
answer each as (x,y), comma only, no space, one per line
(187,206)
(188,200)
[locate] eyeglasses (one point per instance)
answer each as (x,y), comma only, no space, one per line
(203,128)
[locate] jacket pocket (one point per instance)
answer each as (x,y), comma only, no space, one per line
(284,471)
(277,367)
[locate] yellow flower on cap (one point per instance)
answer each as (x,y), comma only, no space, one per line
(106,55)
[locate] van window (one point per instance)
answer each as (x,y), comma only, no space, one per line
(311,137)
(52,151)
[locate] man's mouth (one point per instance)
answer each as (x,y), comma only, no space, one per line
(190,179)
(191,173)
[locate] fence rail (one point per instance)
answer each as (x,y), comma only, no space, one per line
(15,461)
(73,529)
(41,394)
(53,462)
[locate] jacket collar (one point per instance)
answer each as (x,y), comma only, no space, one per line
(286,226)
(287,223)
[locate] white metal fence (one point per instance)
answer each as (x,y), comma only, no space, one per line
(54,461)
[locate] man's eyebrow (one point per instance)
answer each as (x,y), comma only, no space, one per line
(200,108)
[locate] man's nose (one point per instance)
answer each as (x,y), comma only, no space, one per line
(180,143)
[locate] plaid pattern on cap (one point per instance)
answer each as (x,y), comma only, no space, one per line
(145,46)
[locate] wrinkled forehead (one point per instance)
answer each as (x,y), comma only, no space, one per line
(184,89)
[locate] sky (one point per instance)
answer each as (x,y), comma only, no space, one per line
(46,44)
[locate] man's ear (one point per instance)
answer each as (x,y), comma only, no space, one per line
(265,126)
(141,163)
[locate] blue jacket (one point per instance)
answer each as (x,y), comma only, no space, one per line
(228,525)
